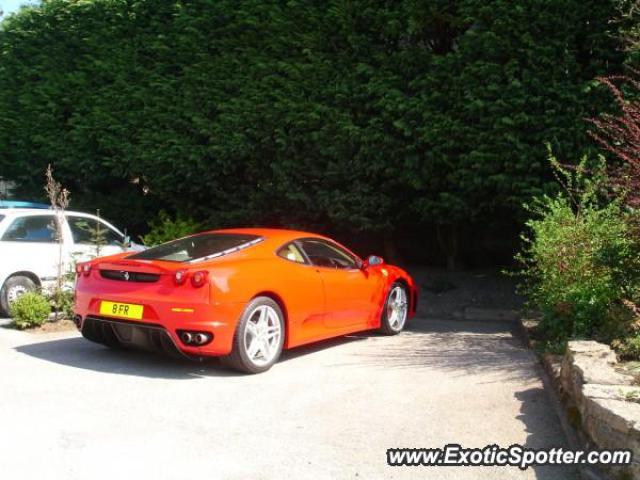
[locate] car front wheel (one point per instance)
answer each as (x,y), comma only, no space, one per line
(396,308)
(14,287)
(259,337)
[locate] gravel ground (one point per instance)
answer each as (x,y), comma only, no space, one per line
(75,410)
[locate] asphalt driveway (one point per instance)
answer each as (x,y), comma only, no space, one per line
(72,409)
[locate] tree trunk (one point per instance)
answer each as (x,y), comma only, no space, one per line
(448,242)
(390,250)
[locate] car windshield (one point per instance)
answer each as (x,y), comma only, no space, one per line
(198,247)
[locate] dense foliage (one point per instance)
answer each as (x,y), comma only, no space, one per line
(368,115)
(582,262)
(628,20)
(30,309)
(165,228)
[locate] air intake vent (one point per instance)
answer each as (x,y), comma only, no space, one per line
(124,276)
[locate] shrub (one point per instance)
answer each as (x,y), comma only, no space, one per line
(579,263)
(62,302)
(622,330)
(165,228)
(580,259)
(30,310)
(628,348)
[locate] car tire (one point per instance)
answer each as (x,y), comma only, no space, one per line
(261,321)
(14,287)
(396,310)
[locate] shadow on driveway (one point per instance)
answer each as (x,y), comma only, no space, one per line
(78,352)
(462,348)
(459,347)
(539,418)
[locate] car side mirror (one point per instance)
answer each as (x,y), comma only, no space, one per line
(371,261)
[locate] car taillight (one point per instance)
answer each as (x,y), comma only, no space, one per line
(199,278)
(180,277)
(83,269)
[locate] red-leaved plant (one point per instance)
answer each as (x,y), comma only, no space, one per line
(620,135)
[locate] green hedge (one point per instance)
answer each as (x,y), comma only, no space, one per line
(367,115)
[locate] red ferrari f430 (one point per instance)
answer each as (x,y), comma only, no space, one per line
(241,294)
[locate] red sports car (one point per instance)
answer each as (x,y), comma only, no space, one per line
(242,294)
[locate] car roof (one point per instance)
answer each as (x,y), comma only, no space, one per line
(272,238)
(281,234)
(22,204)
(13,212)
(38,211)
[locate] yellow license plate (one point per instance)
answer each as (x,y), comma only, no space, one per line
(122,310)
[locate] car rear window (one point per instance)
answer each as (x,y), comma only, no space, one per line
(198,247)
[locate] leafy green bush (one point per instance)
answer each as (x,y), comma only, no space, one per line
(30,310)
(581,259)
(628,348)
(166,228)
(622,329)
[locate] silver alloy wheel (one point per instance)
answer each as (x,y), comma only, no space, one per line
(397,307)
(15,292)
(262,335)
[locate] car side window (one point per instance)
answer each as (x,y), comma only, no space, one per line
(291,252)
(87,231)
(325,254)
(33,228)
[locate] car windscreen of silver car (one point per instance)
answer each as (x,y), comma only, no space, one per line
(202,246)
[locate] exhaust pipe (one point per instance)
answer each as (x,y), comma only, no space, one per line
(194,338)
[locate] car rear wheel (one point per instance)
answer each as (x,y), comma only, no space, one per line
(259,337)
(396,308)
(14,287)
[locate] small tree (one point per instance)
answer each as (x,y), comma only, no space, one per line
(97,233)
(59,198)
